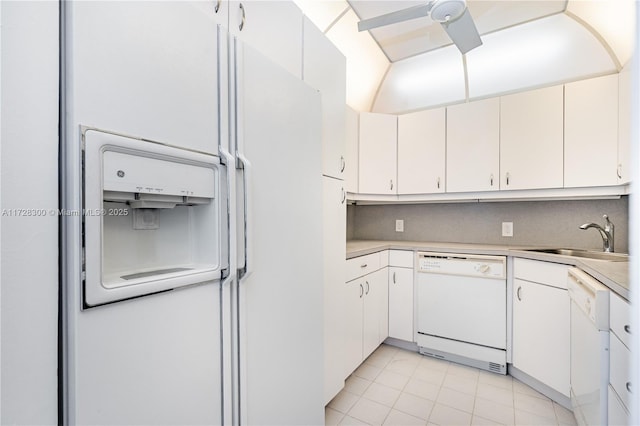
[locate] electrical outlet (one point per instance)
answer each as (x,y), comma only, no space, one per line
(399,225)
(507,229)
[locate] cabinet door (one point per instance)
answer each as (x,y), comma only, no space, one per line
(401,303)
(531,139)
(335,293)
(353,324)
(421,152)
(371,322)
(352,143)
(541,325)
(325,69)
(624,124)
(591,132)
(274,28)
(377,162)
(473,146)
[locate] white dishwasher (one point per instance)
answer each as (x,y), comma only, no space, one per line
(589,347)
(461,309)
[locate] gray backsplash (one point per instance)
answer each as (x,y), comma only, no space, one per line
(540,223)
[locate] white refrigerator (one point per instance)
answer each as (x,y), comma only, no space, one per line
(174,99)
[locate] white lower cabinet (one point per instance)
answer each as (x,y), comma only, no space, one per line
(541,323)
(401,295)
(375,311)
(366,322)
(620,385)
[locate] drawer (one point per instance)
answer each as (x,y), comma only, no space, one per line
(619,370)
(618,414)
(548,273)
(401,258)
(362,265)
(620,318)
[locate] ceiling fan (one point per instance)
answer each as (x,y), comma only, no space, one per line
(453,15)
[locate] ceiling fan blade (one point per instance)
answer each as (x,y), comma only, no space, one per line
(463,32)
(414,12)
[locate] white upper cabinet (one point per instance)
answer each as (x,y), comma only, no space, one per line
(473,146)
(591,132)
(377,162)
(624,124)
(325,69)
(274,28)
(351,151)
(421,152)
(531,139)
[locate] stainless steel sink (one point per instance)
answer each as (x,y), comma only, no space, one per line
(589,254)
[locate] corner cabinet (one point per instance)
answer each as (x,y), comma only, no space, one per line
(541,322)
(377,160)
(421,152)
(473,146)
(591,132)
(531,139)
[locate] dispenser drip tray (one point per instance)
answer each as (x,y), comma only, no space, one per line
(152,273)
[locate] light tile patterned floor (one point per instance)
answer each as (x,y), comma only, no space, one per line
(398,387)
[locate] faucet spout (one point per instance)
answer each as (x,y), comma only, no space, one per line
(606,233)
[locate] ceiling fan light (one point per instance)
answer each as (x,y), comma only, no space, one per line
(447,10)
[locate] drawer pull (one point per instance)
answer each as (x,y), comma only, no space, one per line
(364,265)
(627,328)
(629,387)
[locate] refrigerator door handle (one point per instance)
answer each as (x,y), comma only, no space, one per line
(248,232)
(230,222)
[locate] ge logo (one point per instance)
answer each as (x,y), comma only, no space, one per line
(120,173)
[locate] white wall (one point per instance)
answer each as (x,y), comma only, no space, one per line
(29,245)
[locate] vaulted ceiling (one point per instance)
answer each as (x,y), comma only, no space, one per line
(526,44)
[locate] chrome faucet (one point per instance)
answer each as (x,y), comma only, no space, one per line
(606,233)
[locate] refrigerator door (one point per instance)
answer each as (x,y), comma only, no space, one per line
(281,311)
(145,69)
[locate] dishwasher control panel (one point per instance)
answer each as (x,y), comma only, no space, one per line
(460,264)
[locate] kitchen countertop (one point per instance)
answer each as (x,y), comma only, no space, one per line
(614,275)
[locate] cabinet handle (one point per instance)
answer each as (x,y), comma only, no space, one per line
(364,265)
(391,184)
(217,8)
(627,328)
(342,164)
(344,196)
(619,171)
(491,179)
(243,18)
(508,177)
(438,183)
(394,277)
(629,387)
(367,292)
(518,293)
(361,290)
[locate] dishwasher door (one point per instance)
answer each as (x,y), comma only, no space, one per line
(589,348)
(463,308)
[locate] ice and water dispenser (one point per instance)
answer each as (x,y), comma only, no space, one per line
(154,217)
